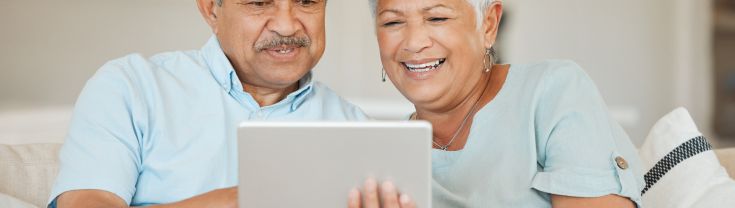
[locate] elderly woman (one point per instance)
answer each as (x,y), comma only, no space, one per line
(520,135)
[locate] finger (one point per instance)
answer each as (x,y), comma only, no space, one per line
(407,202)
(371,194)
(389,195)
(353,199)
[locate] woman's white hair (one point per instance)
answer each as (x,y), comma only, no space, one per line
(480,8)
(479,5)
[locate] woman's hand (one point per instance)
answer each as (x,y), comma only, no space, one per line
(372,196)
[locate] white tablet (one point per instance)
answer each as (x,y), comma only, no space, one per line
(315,164)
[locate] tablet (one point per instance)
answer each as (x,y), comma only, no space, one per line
(315,164)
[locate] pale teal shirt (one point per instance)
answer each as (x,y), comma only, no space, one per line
(548,131)
(163,129)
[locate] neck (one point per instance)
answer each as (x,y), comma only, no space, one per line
(269,96)
(447,121)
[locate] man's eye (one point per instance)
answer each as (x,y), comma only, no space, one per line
(259,3)
(437,19)
(391,23)
(307,2)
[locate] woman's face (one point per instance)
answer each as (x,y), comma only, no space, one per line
(431,49)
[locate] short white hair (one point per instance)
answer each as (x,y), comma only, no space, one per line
(480,8)
(479,5)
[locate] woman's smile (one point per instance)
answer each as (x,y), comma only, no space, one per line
(422,69)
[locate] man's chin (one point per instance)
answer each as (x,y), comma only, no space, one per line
(282,82)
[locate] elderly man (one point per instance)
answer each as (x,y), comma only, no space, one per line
(162,131)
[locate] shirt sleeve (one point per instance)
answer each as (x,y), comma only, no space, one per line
(581,150)
(102,148)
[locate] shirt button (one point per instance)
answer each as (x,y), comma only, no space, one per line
(622,164)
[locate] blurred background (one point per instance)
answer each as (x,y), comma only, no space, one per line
(646,56)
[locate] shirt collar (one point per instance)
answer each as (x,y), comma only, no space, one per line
(224,73)
(299,96)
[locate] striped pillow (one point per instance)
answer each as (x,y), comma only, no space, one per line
(682,169)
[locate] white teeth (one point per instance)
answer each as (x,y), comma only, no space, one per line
(435,63)
(425,67)
(284,51)
(421,70)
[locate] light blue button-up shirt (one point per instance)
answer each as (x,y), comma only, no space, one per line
(163,129)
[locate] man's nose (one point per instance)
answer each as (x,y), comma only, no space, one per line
(284,22)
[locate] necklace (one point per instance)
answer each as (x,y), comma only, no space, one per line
(415,116)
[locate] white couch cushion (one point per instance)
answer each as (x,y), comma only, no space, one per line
(27,172)
(9,201)
(34,125)
(692,175)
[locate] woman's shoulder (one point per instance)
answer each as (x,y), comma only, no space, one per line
(550,69)
(551,75)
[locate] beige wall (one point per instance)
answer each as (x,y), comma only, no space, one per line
(642,54)
(647,57)
(50,48)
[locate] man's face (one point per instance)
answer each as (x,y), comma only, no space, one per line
(271,43)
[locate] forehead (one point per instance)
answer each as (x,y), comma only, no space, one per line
(403,6)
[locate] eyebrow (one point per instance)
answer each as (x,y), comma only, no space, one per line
(424,9)
(436,7)
(389,11)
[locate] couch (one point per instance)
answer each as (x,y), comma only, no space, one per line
(28,166)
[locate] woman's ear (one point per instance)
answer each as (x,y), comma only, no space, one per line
(491,22)
(209,9)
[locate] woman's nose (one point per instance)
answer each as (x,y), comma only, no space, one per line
(417,39)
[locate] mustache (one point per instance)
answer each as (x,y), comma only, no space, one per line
(280,41)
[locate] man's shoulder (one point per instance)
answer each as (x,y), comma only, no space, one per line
(138,69)
(174,60)
(145,79)
(323,89)
(329,99)
(327,95)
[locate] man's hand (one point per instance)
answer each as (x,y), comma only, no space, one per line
(372,198)
(220,198)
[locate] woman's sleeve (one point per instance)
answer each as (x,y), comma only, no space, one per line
(581,151)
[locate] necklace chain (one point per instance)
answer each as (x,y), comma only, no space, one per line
(415,116)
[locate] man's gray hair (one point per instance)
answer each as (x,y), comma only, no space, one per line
(219,2)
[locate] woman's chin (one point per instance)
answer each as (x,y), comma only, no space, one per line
(422,96)
(422,91)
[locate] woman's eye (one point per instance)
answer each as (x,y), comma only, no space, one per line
(391,23)
(437,19)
